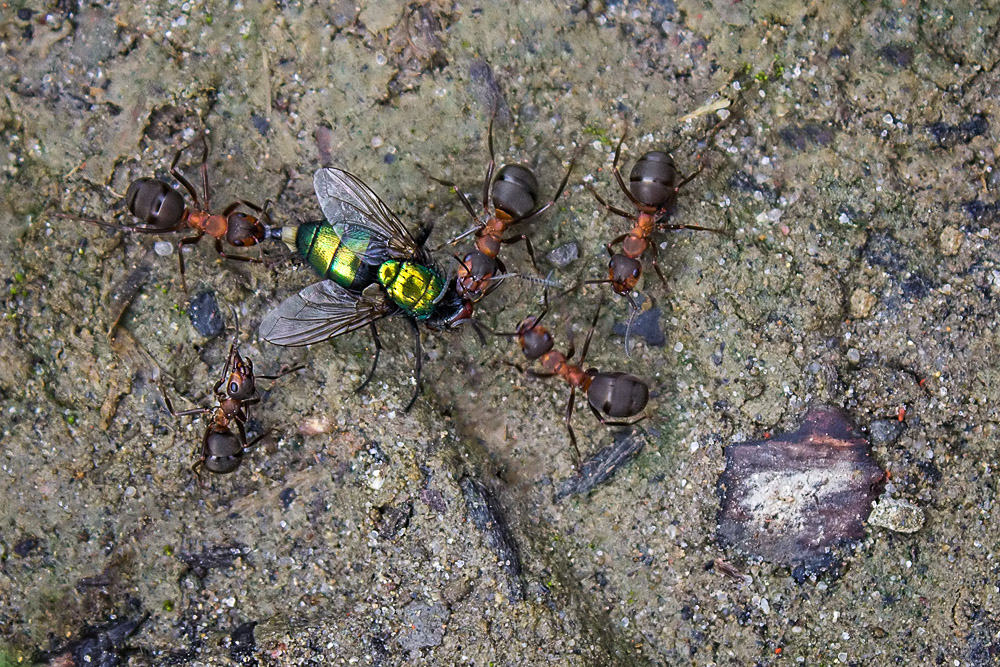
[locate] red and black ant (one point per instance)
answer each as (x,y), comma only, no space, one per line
(653,191)
(510,197)
(614,394)
(163,210)
(222,449)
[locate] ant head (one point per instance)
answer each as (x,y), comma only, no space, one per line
(534,339)
(623,273)
(474,273)
(243,230)
(240,385)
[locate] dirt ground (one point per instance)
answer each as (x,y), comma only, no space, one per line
(848,155)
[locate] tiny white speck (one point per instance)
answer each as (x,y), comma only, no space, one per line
(163,248)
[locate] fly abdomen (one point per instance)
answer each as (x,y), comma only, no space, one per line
(337,252)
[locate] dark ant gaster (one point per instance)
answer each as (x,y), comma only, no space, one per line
(222,449)
(510,197)
(652,188)
(614,394)
(163,210)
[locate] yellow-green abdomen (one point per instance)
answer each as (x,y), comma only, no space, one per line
(413,287)
(337,252)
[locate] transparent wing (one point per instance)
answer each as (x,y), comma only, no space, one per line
(344,198)
(320,312)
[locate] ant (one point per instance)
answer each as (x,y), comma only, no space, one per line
(510,197)
(653,191)
(163,210)
(222,449)
(614,394)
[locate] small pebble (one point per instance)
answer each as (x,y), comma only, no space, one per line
(885,431)
(853,356)
(862,302)
(205,315)
(163,248)
(950,241)
(564,255)
(897,515)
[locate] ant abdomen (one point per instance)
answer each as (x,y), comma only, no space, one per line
(651,180)
(155,202)
(515,191)
(617,394)
(222,451)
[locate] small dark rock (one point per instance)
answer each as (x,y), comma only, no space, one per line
(286,497)
(26,546)
(213,557)
(646,326)
(389,158)
(602,465)
(206,318)
(241,650)
(900,55)
(261,124)
(486,90)
(950,135)
(484,512)
(391,520)
(97,646)
(800,136)
(563,255)
(977,210)
(24,14)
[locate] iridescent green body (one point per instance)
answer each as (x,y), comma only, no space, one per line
(339,252)
(413,287)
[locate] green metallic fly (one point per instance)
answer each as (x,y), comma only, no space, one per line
(373,268)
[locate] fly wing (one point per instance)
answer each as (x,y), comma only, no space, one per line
(344,198)
(320,312)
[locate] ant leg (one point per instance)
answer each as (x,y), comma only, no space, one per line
(204,170)
(488,181)
(175,172)
(131,229)
(628,330)
(378,350)
(687,179)
(569,427)
(590,334)
(562,186)
(418,362)
(479,332)
(698,228)
(538,374)
(613,242)
(618,174)
(608,422)
(280,375)
(180,253)
(182,413)
(656,265)
(253,442)
(613,209)
(236,258)
(527,242)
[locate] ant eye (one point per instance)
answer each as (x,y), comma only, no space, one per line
(234,387)
(635,273)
